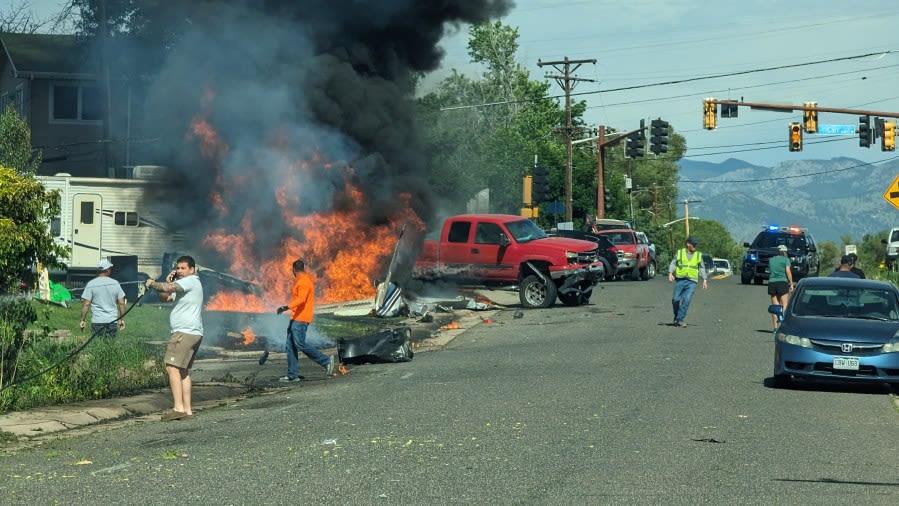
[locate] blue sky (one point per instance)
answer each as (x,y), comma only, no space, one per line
(642,42)
(639,43)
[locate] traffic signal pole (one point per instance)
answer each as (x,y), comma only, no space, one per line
(601,143)
(804,107)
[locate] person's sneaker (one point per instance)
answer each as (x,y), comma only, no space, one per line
(681,324)
(288,379)
(332,365)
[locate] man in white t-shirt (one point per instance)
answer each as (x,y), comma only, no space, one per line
(186,321)
(105,299)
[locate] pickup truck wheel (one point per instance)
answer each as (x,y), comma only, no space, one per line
(651,270)
(745,279)
(534,293)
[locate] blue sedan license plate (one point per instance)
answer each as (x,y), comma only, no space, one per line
(845,363)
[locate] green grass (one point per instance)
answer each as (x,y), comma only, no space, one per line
(56,366)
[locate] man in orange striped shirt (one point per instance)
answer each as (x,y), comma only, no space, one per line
(301,307)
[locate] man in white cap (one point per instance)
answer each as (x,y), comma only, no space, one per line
(105,298)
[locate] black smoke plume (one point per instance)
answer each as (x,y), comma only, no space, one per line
(282,82)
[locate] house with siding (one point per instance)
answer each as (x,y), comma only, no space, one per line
(56,83)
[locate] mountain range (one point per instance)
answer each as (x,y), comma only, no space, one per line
(830,198)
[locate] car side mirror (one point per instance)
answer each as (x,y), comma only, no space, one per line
(503,240)
(745,244)
(776,309)
(883,241)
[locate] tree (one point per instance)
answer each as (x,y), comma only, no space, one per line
(484,132)
(828,256)
(26,209)
(19,18)
(15,143)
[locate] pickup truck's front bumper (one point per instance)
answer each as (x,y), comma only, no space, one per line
(578,272)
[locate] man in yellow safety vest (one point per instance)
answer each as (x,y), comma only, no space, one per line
(684,271)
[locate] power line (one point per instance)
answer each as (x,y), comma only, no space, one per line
(781,178)
(676,81)
(713,92)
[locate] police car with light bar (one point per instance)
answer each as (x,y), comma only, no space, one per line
(801,248)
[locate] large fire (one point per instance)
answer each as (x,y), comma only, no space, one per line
(344,254)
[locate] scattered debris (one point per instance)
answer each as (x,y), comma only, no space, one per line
(386,346)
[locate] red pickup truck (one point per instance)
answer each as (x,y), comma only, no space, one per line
(634,256)
(504,250)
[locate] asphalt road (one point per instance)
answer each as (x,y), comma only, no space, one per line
(600,404)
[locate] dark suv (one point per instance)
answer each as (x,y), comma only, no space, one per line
(801,248)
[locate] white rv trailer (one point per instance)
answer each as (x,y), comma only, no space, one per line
(108,217)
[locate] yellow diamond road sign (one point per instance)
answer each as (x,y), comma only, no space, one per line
(892,193)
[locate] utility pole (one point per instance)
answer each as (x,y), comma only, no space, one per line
(687,217)
(567,82)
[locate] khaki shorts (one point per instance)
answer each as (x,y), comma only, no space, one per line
(182,349)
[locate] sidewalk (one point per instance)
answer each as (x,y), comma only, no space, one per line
(229,376)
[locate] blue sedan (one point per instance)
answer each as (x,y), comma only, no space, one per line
(838,329)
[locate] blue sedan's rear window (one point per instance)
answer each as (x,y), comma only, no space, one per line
(846,302)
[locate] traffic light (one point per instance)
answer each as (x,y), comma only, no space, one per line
(659,131)
(795,137)
(864,131)
(710,112)
(635,144)
(810,118)
(607,199)
(888,141)
(540,185)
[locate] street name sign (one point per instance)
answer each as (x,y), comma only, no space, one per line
(836,129)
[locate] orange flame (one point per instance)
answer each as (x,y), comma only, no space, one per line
(248,336)
(451,326)
(343,253)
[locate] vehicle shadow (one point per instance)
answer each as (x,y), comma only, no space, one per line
(833,385)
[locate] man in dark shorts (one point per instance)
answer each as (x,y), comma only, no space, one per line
(780,280)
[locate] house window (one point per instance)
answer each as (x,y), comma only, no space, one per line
(126,218)
(70,102)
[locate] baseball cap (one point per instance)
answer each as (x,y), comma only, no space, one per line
(846,259)
(782,247)
(104,264)
(692,240)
